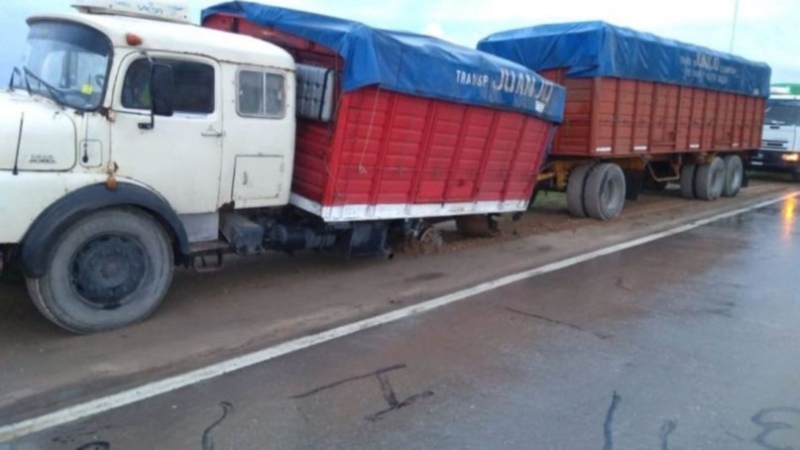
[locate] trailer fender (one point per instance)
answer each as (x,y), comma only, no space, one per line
(46,229)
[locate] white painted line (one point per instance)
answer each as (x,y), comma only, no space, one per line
(156,388)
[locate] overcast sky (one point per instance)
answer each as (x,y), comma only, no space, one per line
(766,31)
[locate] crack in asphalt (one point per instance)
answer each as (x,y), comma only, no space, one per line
(608,432)
(326,387)
(208,440)
(546,319)
(391,398)
(387,391)
(667,429)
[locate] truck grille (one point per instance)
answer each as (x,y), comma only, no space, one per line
(774,144)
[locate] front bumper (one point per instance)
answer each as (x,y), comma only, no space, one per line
(772,161)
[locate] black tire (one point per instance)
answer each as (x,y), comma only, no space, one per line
(688,173)
(604,196)
(734,174)
(576,185)
(709,181)
(109,270)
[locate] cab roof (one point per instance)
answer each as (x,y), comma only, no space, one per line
(180,38)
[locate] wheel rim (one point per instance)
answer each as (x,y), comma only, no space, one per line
(107,269)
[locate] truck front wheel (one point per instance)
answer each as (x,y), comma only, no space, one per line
(109,270)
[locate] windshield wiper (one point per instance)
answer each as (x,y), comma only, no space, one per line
(55,95)
(17,71)
(11,81)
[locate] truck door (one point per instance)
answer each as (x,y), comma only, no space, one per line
(180,156)
(260,138)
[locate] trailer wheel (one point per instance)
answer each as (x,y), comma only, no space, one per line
(734,173)
(604,196)
(688,173)
(109,270)
(710,180)
(576,186)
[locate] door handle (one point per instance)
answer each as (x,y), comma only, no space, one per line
(211,132)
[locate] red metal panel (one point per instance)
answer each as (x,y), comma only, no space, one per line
(683,104)
(607,118)
(410,150)
(386,148)
(574,136)
(314,142)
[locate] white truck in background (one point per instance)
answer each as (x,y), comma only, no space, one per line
(780,146)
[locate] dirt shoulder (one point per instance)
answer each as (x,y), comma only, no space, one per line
(257,302)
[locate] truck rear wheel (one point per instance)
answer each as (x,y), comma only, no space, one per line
(734,173)
(109,270)
(710,180)
(688,172)
(604,194)
(576,186)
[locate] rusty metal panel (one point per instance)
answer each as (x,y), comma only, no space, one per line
(614,117)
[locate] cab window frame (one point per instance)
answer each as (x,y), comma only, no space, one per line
(173,61)
(265,73)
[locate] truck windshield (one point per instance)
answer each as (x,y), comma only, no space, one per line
(783,112)
(66,62)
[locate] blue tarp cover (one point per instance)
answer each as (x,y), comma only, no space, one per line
(411,63)
(590,49)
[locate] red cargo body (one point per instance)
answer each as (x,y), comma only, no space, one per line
(612,117)
(388,155)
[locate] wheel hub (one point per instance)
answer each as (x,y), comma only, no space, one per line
(107,270)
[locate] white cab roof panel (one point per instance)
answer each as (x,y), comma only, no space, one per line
(158,35)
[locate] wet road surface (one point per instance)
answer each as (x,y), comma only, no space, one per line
(685,343)
(260,302)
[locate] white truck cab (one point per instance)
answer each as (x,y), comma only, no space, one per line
(125,135)
(780,147)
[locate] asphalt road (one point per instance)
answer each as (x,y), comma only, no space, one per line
(690,342)
(261,302)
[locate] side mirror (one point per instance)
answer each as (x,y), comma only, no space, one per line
(162,86)
(162,90)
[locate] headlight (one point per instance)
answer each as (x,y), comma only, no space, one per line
(791,157)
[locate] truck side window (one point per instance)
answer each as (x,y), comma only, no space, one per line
(194,86)
(261,94)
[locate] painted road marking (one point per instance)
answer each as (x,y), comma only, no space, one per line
(164,386)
